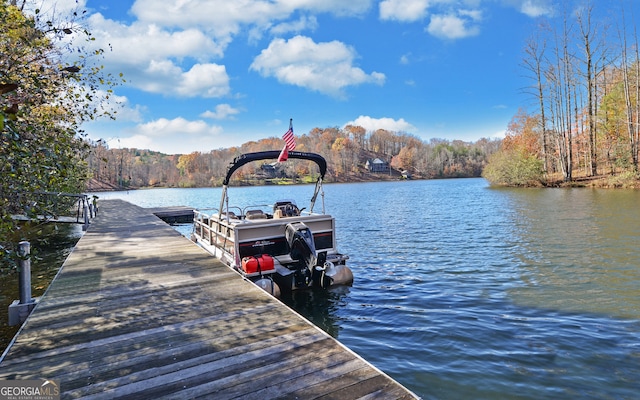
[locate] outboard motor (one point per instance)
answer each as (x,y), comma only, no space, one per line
(303,250)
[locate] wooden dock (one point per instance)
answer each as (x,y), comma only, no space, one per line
(139,311)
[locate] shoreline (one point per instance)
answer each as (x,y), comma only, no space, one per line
(596,182)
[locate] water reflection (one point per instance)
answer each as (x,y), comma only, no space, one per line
(50,246)
(322,307)
(578,250)
(466,292)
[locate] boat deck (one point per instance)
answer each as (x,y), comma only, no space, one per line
(138,311)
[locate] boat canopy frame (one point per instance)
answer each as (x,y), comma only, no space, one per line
(246,158)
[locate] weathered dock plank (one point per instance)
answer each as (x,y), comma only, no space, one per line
(138,311)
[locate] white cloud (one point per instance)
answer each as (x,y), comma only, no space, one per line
(221,18)
(169,49)
(372,124)
(138,42)
(222,111)
(403,10)
(159,61)
(533,8)
(302,24)
(454,26)
(137,142)
(206,80)
(120,107)
(173,136)
(226,18)
(108,105)
(52,11)
(474,15)
(164,77)
(167,127)
(323,67)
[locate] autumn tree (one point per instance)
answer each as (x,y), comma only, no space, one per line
(358,135)
(406,159)
(343,152)
(586,88)
(631,85)
(534,63)
(518,162)
(613,122)
(45,95)
(594,57)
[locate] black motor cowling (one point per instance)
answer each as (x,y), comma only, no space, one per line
(301,244)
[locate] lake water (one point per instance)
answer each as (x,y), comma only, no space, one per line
(50,246)
(463,291)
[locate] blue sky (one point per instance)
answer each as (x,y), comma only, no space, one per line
(209,74)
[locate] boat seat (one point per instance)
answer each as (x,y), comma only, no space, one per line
(255,214)
(278,214)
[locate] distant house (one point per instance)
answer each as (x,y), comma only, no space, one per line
(267,171)
(377,165)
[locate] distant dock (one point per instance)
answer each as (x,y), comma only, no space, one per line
(139,311)
(173,215)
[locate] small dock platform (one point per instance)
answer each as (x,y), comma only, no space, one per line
(173,215)
(139,311)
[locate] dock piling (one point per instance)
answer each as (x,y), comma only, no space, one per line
(24,280)
(85,212)
(19,310)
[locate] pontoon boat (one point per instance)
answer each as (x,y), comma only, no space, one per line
(283,247)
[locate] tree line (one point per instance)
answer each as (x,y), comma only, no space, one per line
(585,84)
(345,149)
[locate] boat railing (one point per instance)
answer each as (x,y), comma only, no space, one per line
(57,207)
(212,209)
(212,230)
(250,212)
(215,211)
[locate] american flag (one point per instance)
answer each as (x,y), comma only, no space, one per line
(289,143)
(289,139)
